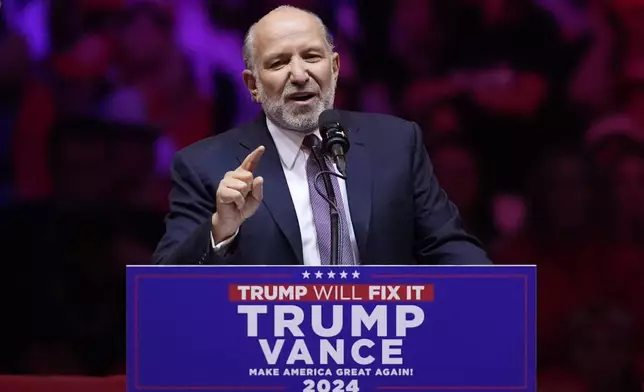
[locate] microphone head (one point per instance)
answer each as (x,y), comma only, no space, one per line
(334,139)
(328,118)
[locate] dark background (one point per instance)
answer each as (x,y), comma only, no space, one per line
(533,113)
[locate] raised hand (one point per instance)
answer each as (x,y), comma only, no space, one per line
(238,196)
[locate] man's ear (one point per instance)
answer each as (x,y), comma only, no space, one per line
(335,64)
(251,84)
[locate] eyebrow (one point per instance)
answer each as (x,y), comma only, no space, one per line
(276,55)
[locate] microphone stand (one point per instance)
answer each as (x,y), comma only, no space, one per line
(334,213)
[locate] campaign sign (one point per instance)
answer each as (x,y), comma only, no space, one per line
(331,329)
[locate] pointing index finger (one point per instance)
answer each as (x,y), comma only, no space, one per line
(251,161)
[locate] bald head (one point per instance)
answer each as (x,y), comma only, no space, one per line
(285,19)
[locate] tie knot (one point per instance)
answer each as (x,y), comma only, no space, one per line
(312,142)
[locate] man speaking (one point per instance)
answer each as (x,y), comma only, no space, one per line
(260,194)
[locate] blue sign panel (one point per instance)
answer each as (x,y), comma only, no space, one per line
(331,329)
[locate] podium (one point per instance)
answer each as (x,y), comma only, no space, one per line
(331,328)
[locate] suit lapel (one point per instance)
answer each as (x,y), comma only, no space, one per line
(359,185)
(277,197)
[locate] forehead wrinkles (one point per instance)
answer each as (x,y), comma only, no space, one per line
(286,23)
(287,36)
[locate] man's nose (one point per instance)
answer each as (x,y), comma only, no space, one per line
(299,72)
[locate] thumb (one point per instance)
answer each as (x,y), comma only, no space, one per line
(254,199)
(258,189)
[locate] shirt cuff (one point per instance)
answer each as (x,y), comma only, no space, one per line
(223,245)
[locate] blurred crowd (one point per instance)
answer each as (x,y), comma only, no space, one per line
(533,114)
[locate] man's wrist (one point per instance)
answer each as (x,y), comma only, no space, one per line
(220,233)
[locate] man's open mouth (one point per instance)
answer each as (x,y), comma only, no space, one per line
(301,97)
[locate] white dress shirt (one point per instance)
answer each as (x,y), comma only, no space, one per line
(293,158)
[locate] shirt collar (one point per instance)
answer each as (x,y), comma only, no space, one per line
(288,143)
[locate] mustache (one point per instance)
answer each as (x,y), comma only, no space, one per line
(291,89)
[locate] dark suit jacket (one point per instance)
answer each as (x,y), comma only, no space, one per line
(400,214)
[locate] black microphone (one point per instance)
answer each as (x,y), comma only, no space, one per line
(334,140)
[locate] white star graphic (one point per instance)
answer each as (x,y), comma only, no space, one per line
(331,274)
(318,275)
(306,274)
(355,274)
(343,275)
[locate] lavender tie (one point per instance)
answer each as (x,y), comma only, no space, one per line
(321,208)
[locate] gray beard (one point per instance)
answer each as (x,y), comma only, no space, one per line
(304,120)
